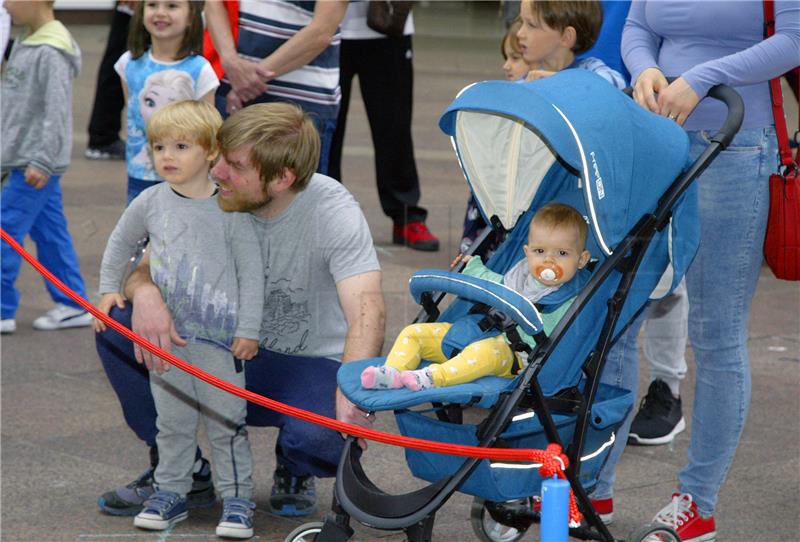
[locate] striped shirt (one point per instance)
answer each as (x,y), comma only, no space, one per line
(265,25)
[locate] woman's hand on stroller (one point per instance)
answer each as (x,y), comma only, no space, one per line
(649,83)
(347,412)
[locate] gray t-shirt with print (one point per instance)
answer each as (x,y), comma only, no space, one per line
(319,240)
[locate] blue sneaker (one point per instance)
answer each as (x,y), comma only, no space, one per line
(237,518)
(162,510)
(292,496)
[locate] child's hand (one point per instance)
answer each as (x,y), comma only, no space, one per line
(245,349)
(104,305)
(36,178)
(533,75)
(460,258)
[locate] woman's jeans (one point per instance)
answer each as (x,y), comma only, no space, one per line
(734,201)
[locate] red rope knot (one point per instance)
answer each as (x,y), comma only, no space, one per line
(554,462)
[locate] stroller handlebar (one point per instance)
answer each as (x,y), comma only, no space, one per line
(500,297)
(733,120)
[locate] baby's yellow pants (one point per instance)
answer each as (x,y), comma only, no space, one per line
(424,341)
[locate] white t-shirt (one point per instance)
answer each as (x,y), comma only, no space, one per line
(354,25)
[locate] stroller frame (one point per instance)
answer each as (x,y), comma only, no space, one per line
(355,496)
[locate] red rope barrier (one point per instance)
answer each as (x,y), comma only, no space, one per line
(552,459)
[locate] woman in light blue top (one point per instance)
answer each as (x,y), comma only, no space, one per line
(703,44)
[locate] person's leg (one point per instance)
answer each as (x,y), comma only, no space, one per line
(129,379)
(176,402)
(348,68)
(104,123)
(326,127)
(660,416)
(20,207)
(131,383)
(481,358)
(224,414)
(621,370)
(665,336)
(734,199)
(387,84)
(137,186)
(54,246)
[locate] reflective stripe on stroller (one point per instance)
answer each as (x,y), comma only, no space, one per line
(571,138)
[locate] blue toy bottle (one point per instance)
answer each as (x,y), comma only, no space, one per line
(555,510)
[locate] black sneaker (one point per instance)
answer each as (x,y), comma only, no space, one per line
(292,496)
(112,151)
(128,500)
(659,418)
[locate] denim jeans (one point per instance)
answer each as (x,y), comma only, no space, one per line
(734,200)
(39,212)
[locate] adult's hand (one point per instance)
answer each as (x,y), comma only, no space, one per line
(152,320)
(678,100)
(248,79)
(650,82)
(349,413)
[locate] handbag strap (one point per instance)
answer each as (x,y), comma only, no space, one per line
(781,130)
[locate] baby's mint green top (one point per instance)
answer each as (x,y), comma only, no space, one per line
(475,268)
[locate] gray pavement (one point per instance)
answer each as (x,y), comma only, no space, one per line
(64,440)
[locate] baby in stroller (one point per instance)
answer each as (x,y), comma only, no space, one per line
(553,256)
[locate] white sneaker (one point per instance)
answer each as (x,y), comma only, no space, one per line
(9,325)
(62,317)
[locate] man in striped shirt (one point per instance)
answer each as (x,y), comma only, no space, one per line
(287,50)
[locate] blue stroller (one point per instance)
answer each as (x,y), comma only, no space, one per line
(574,139)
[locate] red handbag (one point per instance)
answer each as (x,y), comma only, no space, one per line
(782,241)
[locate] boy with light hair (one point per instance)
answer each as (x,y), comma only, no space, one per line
(207,265)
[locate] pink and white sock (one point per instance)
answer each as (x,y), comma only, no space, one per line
(383,377)
(418,380)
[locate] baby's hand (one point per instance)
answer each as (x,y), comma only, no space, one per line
(104,305)
(245,349)
(460,258)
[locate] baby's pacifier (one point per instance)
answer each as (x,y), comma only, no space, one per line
(549,272)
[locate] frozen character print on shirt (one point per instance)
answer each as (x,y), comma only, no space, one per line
(159,89)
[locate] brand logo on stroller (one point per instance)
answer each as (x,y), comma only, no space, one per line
(598,180)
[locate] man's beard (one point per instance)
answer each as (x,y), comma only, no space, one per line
(240,205)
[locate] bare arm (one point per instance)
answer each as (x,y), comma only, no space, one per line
(309,42)
(245,77)
(362,301)
(151,317)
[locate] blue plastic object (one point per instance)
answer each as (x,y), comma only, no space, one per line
(555,510)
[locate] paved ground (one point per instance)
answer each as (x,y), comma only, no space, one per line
(64,441)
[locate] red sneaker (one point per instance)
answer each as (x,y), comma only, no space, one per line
(604,509)
(682,515)
(415,235)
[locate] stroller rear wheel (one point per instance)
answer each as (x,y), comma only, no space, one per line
(307,532)
(654,532)
(487,529)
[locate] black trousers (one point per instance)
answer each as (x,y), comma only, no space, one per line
(104,124)
(386,78)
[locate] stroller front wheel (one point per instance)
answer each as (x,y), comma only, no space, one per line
(307,532)
(654,532)
(487,529)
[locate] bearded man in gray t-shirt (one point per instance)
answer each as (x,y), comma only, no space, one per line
(323,305)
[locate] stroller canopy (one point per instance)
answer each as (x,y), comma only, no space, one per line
(509,137)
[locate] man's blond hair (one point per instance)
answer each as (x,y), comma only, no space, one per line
(280,136)
(188,119)
(559,215)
